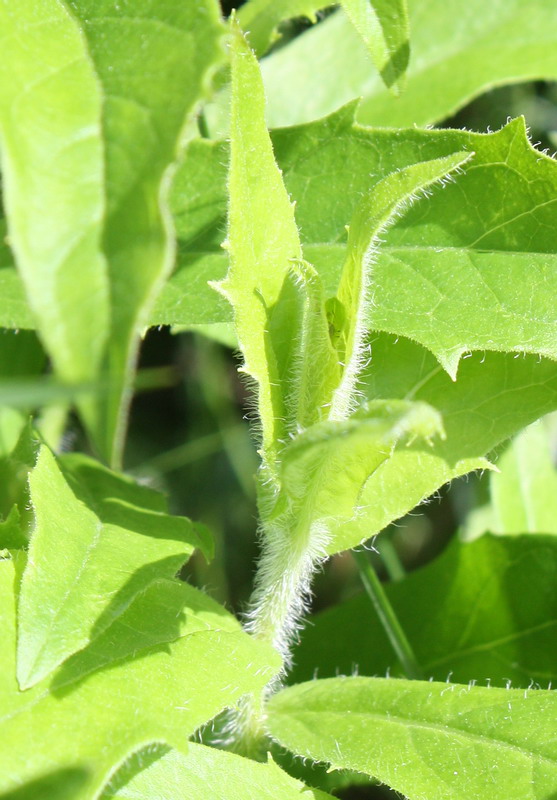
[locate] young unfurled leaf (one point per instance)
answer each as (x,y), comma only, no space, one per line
(425,740)
(91,143)
(263,240)
(349,317)
(383,26)
(458,52)
(483,611)
(91,552)
(212,774)
(506,391)
(323,470)
(312,373)
(175,661)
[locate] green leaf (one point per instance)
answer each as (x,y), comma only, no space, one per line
(311,372)
(50,111)
(263,241)
(12,535)
(91,552)
(260,18)
(496,622)
(14,308)
(212,774)
(187,299)
(448,278)
(451,279)
(22,359)
(323,469)
(524,492)
(494,396)
(425,739)
(170,673)
(383,26)
(458,52)
(348,315)
(95,251)
(14,482)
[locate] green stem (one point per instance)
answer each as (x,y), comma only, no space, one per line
(387,616)
(390,558)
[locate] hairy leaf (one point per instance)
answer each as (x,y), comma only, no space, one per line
(353,303)
(448,277)
(170,672)
(494,396)
(323,470)
(263,241)
(212,774)
(458,52)
(88,558)
(425,739)
(484,611)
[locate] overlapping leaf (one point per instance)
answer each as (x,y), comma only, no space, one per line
(426,739)
(323,470)
(89,130)
(418,269)
(52,162)
(383,27)
(172,661)
(213,774)
(351,307)
(458,52)
(524,490)
(494,396)
(451,278)
(93,548)
(484,611)
(446,276)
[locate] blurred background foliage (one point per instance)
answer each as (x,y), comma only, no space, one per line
(191,437)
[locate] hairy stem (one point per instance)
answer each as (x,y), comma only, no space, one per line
(279,601)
